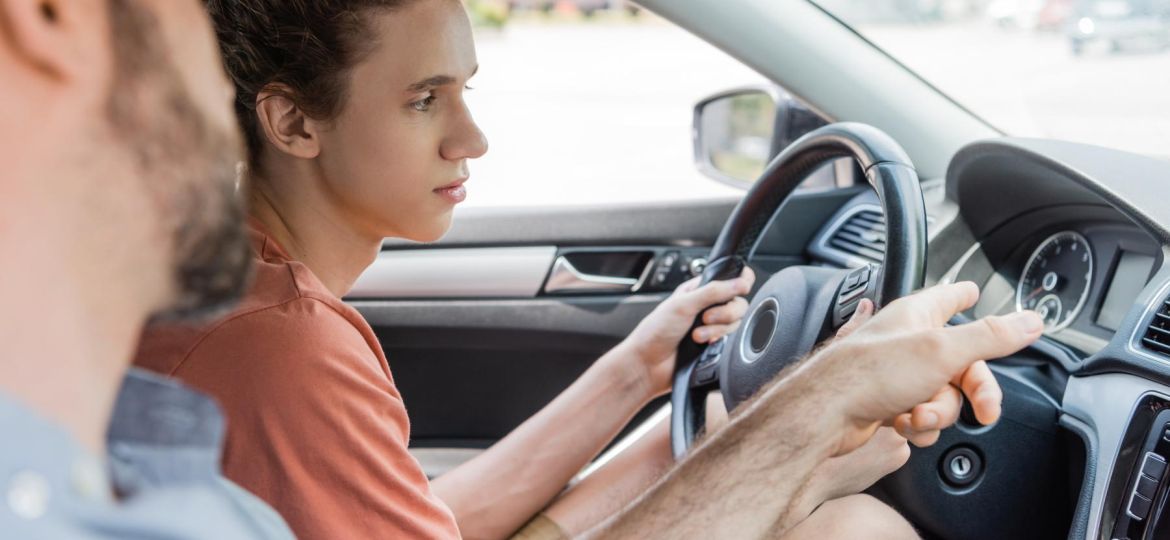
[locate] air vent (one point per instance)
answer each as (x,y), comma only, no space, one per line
(1157,338)
(862,235)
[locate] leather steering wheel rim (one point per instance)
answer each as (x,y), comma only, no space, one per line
(887,168)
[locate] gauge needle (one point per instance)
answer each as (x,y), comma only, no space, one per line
(1033,294)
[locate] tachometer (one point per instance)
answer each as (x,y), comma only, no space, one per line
(1056,279)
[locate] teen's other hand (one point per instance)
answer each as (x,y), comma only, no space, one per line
(654,343)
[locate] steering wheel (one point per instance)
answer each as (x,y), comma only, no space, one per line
(800,305)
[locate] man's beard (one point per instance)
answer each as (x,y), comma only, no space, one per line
(212,254)
(188,166)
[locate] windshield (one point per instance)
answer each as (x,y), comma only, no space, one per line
(1093,71)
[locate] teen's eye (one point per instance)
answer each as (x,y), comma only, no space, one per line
(424,104)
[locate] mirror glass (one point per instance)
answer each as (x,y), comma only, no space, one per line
(735,134)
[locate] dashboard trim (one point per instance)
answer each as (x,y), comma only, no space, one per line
(505,272)
(1151,307)
(953,271)
(823,250)
(1079,528)
(1106,403)
(1123,180)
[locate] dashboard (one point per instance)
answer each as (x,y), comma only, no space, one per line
(1082,273)
(1080,235)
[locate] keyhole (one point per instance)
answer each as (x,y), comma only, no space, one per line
(961,466)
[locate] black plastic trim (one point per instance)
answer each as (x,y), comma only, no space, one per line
(1079,528)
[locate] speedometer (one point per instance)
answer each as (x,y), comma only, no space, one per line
(1056,279)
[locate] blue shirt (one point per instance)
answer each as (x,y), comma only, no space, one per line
(161,478)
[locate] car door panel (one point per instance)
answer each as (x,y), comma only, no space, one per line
(488,272)
(476,341)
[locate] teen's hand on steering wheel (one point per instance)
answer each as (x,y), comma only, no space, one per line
(655,340)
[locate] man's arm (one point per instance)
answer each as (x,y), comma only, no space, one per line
(740,483)
(526,469)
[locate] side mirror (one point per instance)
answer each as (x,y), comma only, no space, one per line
(738,132)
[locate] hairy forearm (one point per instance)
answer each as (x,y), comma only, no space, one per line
(742,481)
(498,491)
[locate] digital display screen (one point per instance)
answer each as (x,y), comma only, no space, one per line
(1129,278)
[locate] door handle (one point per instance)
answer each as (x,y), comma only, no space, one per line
(567,278)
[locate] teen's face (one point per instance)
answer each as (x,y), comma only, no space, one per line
(396,156)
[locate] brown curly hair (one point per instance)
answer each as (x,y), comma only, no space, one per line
(301,49)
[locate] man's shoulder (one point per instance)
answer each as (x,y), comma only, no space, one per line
(167,476)
(182,512)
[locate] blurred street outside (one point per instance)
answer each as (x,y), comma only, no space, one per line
(597,109)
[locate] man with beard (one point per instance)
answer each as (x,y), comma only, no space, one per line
(116,203)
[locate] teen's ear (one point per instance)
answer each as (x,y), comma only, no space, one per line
(285,125)
(59,40)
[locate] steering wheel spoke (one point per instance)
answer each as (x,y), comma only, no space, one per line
(706,372)
(858,284)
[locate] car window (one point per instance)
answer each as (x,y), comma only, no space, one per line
(1093,71)
(590,109)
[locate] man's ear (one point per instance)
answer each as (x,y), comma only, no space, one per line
(59,39)
(285,125)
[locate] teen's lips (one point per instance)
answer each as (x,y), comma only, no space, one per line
(454,192)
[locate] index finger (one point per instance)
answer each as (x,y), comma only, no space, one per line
(960,347)
(941,302)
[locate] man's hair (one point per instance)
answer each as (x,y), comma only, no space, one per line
(300,49)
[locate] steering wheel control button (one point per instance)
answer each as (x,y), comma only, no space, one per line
(851,296)
(707,368)
(706,375)
(717,348)
(844,313)
(855,285)
(1154,465)
(961,466)
(712,353)
(855,280)
(760,329)
(852,290)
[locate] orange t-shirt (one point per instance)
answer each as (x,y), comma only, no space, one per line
(316,426)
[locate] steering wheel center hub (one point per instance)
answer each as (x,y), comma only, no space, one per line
(779,330)
(760,329)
